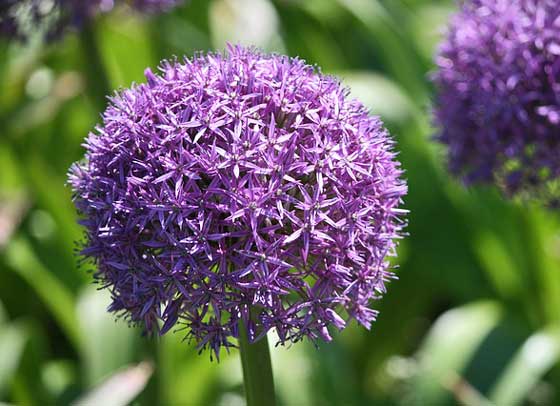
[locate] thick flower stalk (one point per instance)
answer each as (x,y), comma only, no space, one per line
(240,187)
(498,101)
(19,18)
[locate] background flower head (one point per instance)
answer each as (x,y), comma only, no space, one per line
(154,5)
(21,18)
(240,186)
(498,102)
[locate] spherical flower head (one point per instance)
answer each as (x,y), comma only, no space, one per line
(498,102)
(240,186)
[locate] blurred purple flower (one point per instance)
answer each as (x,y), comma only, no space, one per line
(498,102)
(240,184)
(19,18)
(154,6)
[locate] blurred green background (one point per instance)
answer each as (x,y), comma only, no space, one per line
(474,318)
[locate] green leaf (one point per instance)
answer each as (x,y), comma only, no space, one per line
(499,264)
(60,302)
(448,347)
(51,195)
(188,376)
(391,44)
(13,338)
(537,355)
(292,369)
(27,386)
(107,344)
(11,177)
(126,48)
(380,94)
(3,314)
(253,23)
(120,389)
(58,375)
(427,25)
(540,233)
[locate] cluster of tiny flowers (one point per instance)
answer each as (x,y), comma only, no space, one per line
(498,103)
(21,18)
(240,186)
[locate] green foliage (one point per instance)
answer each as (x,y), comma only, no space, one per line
(449,346)
(537,355)
(473,319)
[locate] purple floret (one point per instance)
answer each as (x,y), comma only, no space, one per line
(498,102)
(240,186)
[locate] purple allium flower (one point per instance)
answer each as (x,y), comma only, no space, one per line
(18,18)
(498,104)
(240,186)
(8,26)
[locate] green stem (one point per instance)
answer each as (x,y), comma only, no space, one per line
(153,392)
(97,80)
(257,370)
